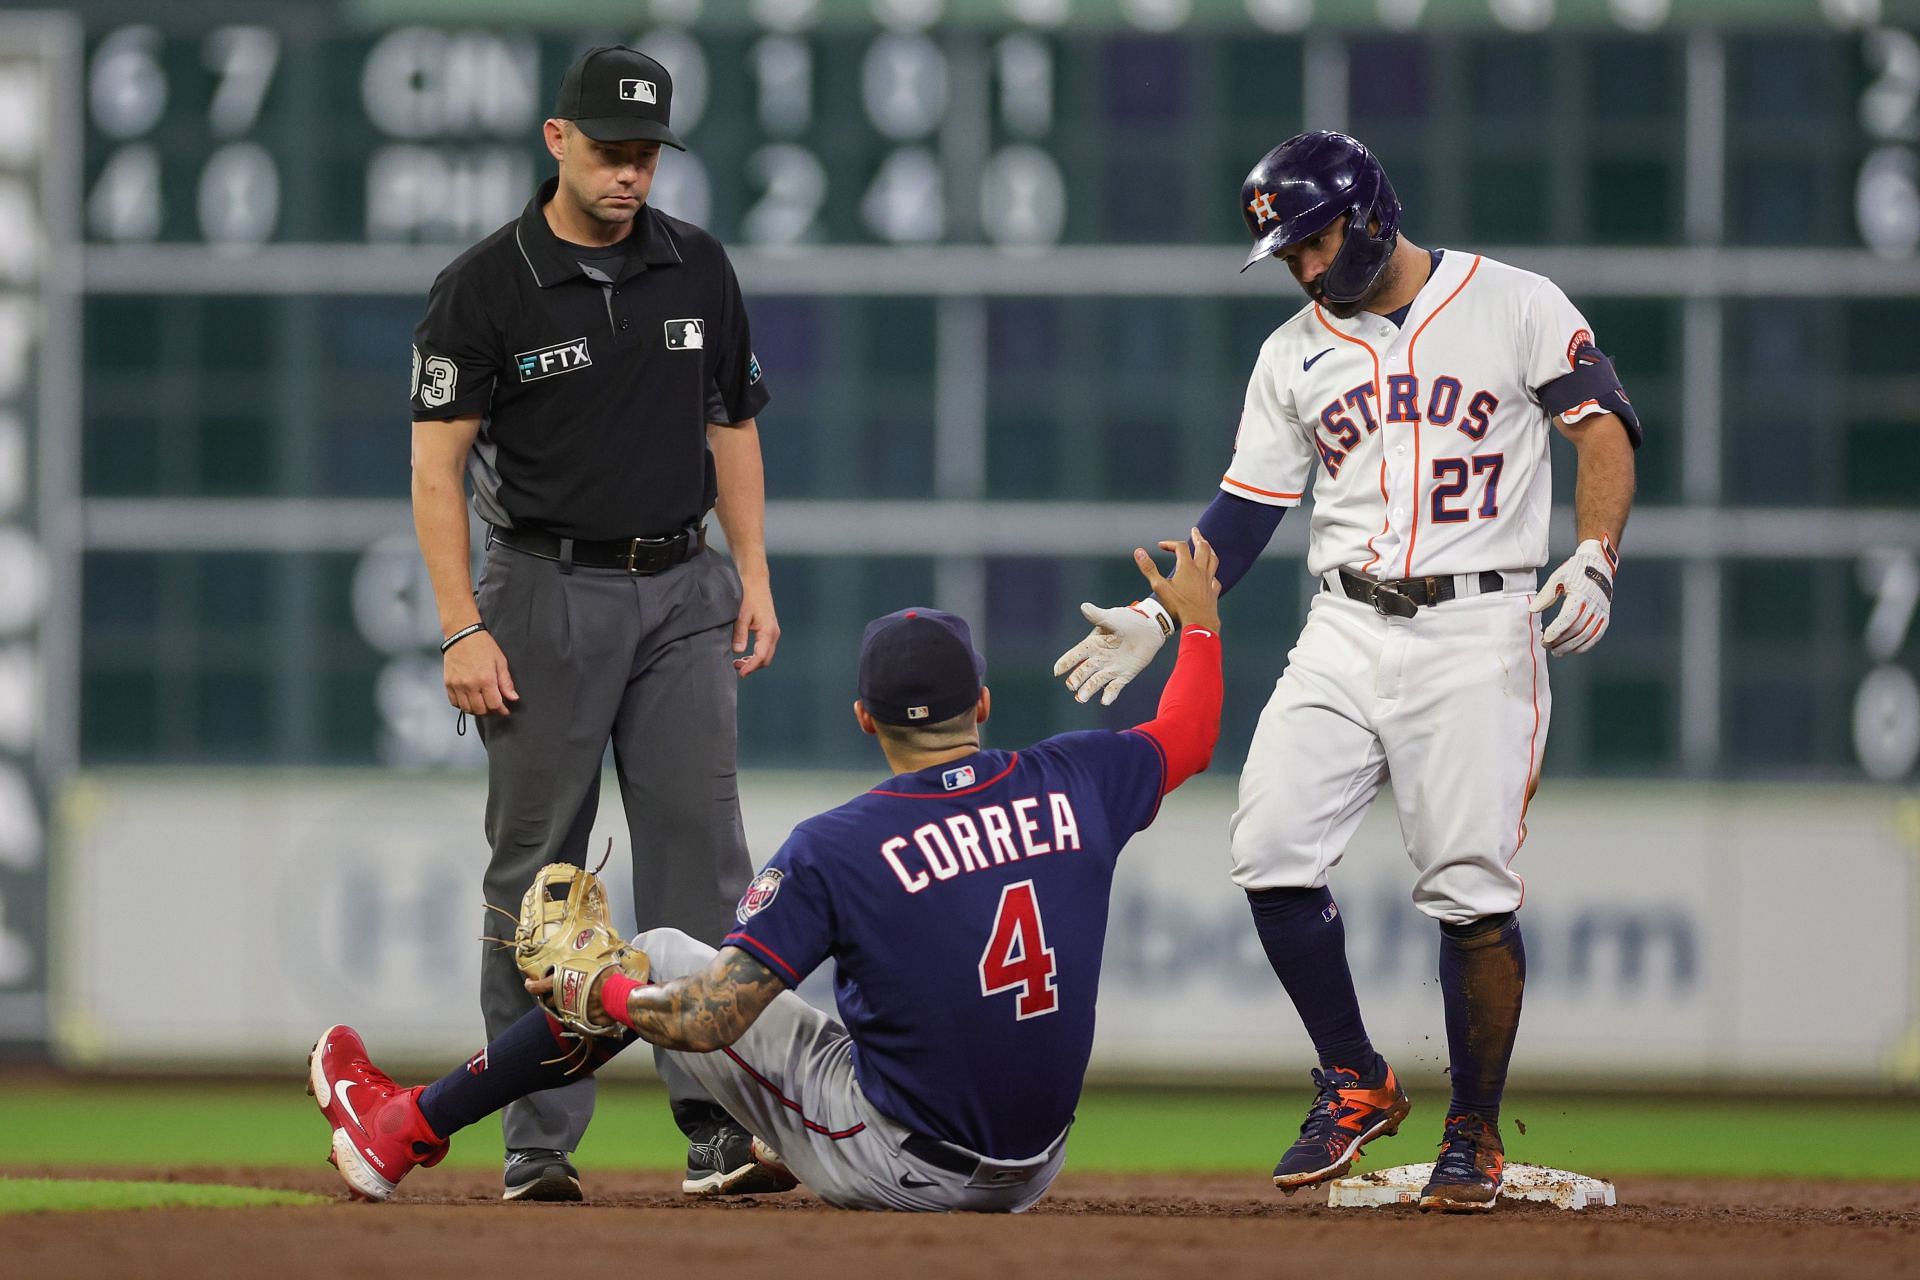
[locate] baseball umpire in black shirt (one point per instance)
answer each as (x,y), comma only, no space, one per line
(588,369)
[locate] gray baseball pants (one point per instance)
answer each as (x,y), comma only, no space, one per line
(790,1081)
(599,656)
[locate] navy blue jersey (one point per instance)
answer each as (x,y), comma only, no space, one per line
(965,907)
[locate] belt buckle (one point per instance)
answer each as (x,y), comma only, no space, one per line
(634,548)
(1389,603)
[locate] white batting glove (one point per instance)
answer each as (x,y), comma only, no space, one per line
(1121,644)
(1584,586)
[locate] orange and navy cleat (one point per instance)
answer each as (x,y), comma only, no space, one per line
(1466,1177)
(1345,1116)
(379,1135)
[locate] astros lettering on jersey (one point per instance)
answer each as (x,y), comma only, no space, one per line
(1430,435)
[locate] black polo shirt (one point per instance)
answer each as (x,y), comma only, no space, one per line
(593,394)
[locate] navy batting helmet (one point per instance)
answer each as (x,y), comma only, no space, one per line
(1305,183)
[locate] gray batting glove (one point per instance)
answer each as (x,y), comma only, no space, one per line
(1121,644)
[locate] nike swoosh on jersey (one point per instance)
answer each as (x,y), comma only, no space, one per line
(340,1092)
(1312,360)
(912,1183)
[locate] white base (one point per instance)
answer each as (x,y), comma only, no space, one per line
(1402,1185)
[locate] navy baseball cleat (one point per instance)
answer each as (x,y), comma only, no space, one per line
(1345,1116)
(1466,1177)
(379,1135)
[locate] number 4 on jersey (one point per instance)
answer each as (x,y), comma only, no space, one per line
(1017,955)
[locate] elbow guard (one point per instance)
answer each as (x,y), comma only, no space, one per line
(1593,387)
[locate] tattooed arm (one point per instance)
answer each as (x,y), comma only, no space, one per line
(698,1013)
(707,1010)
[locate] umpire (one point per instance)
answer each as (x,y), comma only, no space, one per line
(588,368)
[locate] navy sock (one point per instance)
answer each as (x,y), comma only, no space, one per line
(1306,943)
(1483,975)
(514,1064)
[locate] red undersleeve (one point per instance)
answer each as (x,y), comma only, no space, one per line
(1188,723)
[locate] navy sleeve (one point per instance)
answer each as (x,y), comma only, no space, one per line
(737,381)
(1125,771)
(1239,529)
(785,918)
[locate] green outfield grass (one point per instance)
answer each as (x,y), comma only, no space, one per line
(1119,1130)
(32,1195)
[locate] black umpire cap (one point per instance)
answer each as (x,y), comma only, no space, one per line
(616,94)
(919,666)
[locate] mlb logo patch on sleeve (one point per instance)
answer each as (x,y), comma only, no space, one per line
(686,335)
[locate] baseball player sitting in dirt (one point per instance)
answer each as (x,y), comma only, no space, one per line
(964,902)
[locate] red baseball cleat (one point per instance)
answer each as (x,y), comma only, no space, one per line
(1345,1116)
(379,1135)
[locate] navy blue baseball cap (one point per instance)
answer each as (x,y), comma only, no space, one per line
(918,666)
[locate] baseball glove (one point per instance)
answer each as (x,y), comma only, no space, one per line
(565,933)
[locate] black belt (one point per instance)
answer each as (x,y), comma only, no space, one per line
(633,555)
(1402,597)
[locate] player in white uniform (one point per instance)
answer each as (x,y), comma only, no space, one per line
(1414,394)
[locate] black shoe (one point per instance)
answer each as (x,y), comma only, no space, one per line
(536,1174)
(723,1159)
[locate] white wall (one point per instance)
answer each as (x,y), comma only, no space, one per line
(1675,934)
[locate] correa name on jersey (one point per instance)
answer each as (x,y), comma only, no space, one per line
(992,835)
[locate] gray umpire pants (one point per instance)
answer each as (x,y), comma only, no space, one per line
(599,656)
(790,1081)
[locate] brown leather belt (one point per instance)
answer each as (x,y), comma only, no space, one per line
(639,556)
(1403,597)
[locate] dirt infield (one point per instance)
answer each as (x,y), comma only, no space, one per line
(449,1222)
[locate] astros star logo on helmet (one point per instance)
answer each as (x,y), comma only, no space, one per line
(1262,207)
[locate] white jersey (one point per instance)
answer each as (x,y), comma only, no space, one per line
(1429,435)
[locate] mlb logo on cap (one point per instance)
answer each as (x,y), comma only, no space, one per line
(638,91)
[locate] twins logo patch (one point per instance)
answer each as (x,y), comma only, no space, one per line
(638,91)
(686,335)
(954,779)
(477,1063)
(548,362)
(759,895)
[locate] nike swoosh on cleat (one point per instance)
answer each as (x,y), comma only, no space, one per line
(340,1092)
(912,1183)
(1312,360)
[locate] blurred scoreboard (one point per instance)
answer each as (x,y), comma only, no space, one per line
(1110,123)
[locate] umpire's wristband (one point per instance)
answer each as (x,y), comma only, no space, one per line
(460,635)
